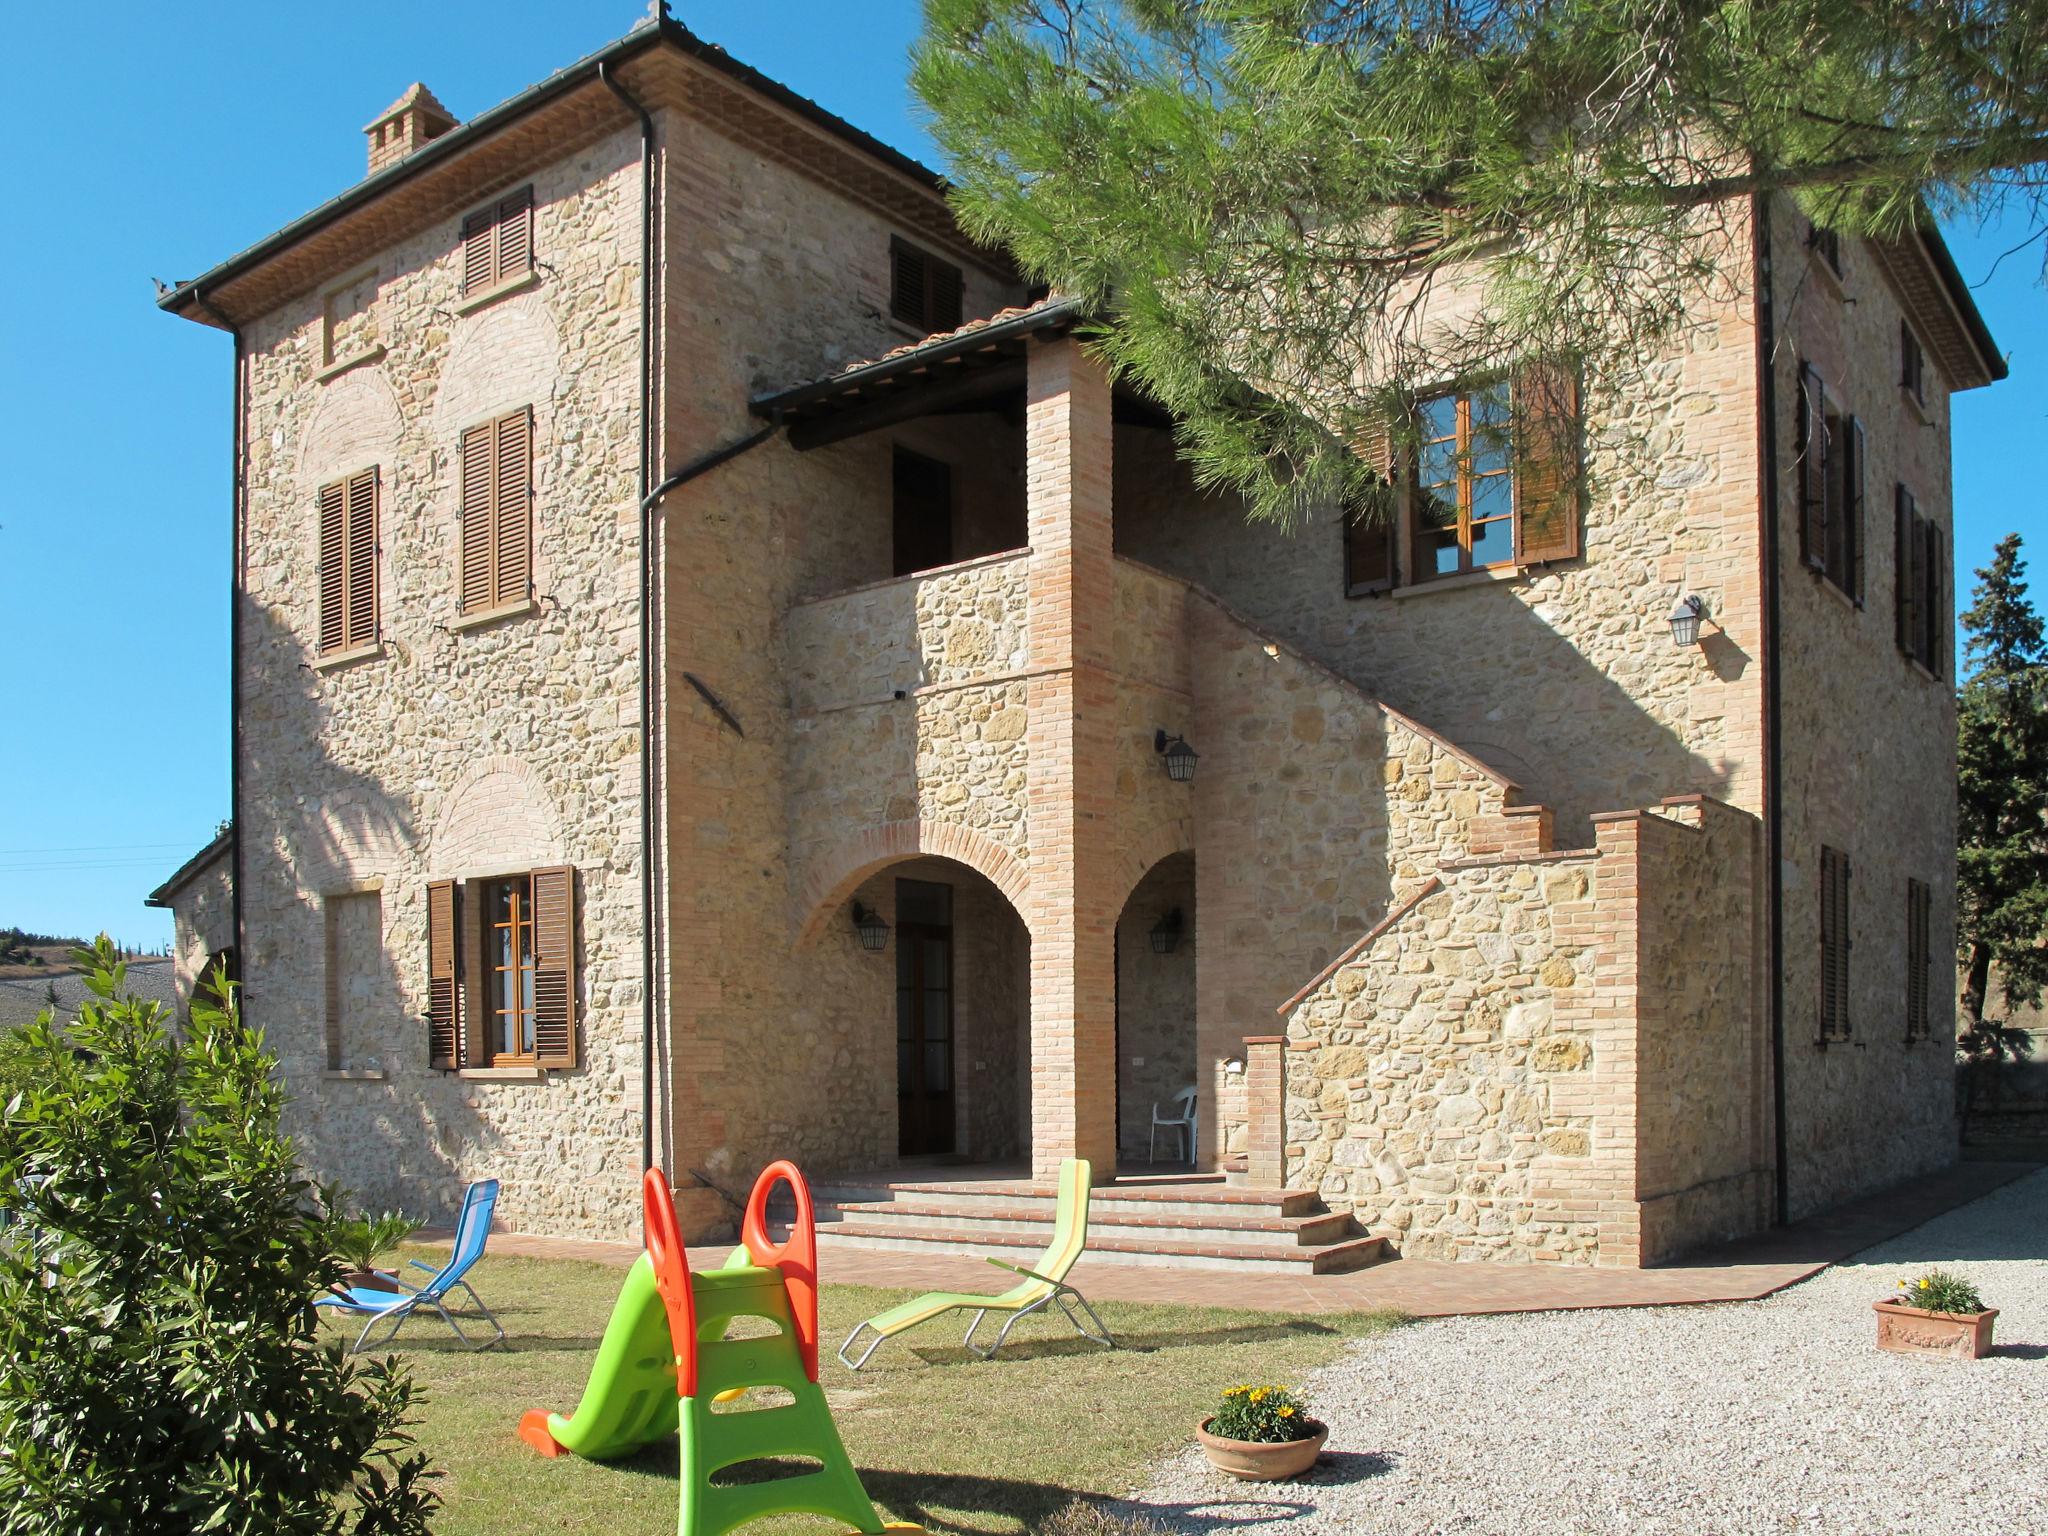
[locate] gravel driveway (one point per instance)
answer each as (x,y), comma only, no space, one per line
(1769,1416)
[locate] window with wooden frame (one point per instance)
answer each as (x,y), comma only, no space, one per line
(1827,245)
(497,513)
(501,971)
(348,563)
(1912,364)
(1920,591)
(497,243)
(1919,960)
(1492,480)
(1830,488)
(924,291)
(1835,944)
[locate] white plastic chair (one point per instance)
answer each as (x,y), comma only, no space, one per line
(1184,1120)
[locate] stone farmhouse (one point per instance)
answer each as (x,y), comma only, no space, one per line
(720,673)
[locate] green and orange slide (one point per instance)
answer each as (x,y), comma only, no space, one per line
(665,1366)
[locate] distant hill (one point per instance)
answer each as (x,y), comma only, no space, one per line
(25,954)
(21,1000)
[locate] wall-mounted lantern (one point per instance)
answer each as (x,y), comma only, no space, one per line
(1180,757)
(1686,615)
(1166,933)
(867,922)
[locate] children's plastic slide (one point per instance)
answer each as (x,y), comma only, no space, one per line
(630,1399)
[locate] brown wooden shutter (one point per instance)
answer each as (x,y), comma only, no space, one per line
(333,567)
(479,461)
(1547,482)
(945,282)
(515,236)
(479,251)
(512,499)
(1842,928)
(1905,568)
(1852,477)
(444,1007)
(908,296)
(1918,959)
(1934,603)
(554,967)
(362,559)
(1813,469)
(1369,530)
(1825,1002)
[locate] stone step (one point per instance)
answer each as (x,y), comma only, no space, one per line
(1178,1198)
(1259,1228)
(1274,1257)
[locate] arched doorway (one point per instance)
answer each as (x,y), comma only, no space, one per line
(1155,1014)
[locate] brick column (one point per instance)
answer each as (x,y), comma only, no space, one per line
(1265,1094)
(1070,797)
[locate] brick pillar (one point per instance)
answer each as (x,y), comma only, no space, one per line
(1070,797)
(1265,1094)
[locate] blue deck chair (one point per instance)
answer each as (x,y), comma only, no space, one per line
(472,1231)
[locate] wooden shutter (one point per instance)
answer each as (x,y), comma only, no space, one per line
(362,559)
(479,460)
(444,1006)
(1546,439)
(1825,1000)
(333,566)
(1813,469)
(554,967)
(1369,530)
(1934,598)
(1918,902)
(479,251)
(1841,945)
(514,236)
(944,281)
(512,503)
(1905,567)
(1852,488)
(907,287)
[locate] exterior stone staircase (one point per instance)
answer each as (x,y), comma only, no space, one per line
(1190,1220)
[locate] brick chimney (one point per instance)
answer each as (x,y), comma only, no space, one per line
(406,125)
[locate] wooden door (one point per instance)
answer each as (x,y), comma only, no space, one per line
(924,1039)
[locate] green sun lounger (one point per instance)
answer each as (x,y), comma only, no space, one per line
(1045,1284)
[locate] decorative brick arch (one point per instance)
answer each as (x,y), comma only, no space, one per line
(1154,845)
(355,424)
(837,873)
(499,815)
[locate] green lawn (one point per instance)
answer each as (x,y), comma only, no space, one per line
(955,1444)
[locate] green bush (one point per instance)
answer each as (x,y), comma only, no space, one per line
(160,1367)
(1940,1291)
(1269,1415)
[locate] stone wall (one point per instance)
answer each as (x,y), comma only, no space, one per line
(452,750)
(1869,753)
(202,922)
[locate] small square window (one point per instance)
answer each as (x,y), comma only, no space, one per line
(1827,245)
(923,290)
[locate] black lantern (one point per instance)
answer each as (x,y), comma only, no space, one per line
(1180,757)
(867,922)
(1686,614)
(1166,933)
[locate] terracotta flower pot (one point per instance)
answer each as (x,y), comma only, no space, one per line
(1261,1461)
(368,1280)
(1914,1331)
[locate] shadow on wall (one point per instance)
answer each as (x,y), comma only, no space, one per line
(334,975)
(1485,666)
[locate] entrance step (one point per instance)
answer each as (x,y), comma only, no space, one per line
(1193,1220)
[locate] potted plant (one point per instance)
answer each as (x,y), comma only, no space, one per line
(359,1239)
(1938,1314)
(1262,1435)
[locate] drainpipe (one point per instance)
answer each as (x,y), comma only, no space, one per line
(237,544)
(1774,814)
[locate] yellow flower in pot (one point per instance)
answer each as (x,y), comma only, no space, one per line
(1261,1434)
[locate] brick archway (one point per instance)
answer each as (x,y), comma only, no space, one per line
(1156,843)
(835,875)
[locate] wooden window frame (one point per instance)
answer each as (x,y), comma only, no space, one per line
(465,1012)
(1832,456)
(498,245)
(507,1015)
(1919,961)
(1912,364)
(1920,584)
(1826,245)
(1836,945)
(1421,536)
(350,518)
(935,306)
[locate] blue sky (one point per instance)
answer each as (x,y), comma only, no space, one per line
(214,126)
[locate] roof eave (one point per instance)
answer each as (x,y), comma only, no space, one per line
(1958,293)
(190,870)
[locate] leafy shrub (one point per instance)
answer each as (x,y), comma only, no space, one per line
(358,1240)
(160,1365)
(1940,1291)
(1269,1415)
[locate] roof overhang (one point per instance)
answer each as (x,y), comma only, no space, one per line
(192,869)
(1934,294)
(977,363)
(661,62)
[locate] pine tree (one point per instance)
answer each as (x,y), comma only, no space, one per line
(2002,799)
